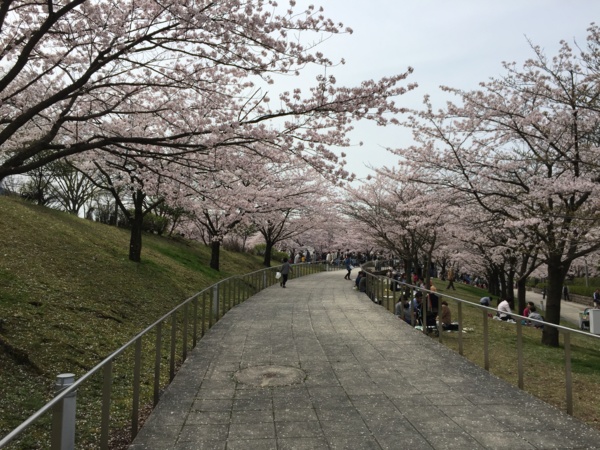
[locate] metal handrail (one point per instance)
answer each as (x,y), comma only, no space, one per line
(376,285)
(263,278)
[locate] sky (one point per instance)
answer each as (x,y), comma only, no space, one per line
(456,43)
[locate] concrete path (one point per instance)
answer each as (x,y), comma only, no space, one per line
(367,381)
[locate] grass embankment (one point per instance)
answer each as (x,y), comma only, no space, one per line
(69,297)
(544,367)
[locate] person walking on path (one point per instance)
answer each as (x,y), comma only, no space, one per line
(566,294)
(285,271)
(596,299)
(451,279)
(348,264)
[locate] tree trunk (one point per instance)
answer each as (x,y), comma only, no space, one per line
(492,281)
(556,278)
(502,280)
(116,224)
(426,277)
(268,250)
(443,269)
(137,222)
(215,253)
(521,294)
(510,287)
(407,269)
(417,268)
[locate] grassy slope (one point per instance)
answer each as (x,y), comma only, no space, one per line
(69,296)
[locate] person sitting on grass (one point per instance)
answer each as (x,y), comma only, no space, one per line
(533,314)
(504,311)
(446,318)
(527,309)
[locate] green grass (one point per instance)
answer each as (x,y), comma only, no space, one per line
(69,297)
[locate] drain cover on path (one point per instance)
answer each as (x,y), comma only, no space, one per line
(268,376)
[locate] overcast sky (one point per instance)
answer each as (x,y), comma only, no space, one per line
(456,43)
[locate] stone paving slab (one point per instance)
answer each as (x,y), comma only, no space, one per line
(370,382)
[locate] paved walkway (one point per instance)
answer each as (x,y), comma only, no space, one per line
(370,382)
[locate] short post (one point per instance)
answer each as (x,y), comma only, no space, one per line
(486,350)
(568,374)
(63,415)
(520,354)
(215,304)
(460,329)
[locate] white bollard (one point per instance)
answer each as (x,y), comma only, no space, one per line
(63,415)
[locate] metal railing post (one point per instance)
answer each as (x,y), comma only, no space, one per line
(222,298)
(210,310)
(135,407)
(203,319)
(105,414)
(520,354)
(424,314)
(486,350)
(388,285)
(568,375)
(228,296)
(185,331)
(215,302)
(157,358)
(195,328)
(460,329)
(63,415)
(173,345)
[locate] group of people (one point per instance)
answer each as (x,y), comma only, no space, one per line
(414,313)
(504,312)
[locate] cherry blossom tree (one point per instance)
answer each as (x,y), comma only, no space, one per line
(136,196)
(166,80)
(524,147)
(406,218)
(221,201)
(375,205)
(294,209)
